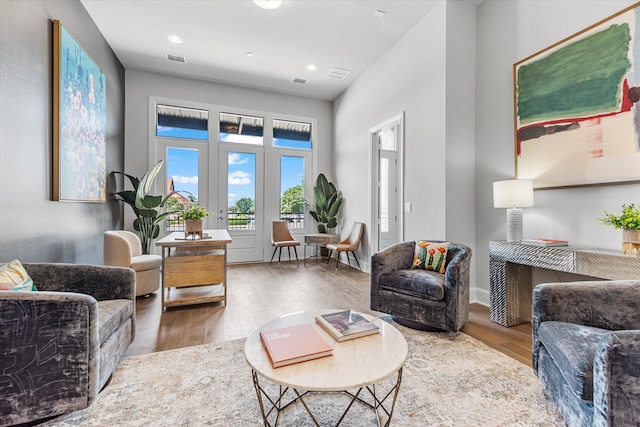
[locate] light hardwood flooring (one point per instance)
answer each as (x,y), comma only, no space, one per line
(259,292)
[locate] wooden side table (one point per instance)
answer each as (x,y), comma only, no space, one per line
(318,239)
(193,265)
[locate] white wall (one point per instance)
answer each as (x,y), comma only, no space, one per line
(428,74)
(507,32)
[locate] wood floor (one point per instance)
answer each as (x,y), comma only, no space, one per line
(259,292)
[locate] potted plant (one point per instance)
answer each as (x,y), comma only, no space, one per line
(193,219)
(628,221)
(150,210)
(326,205)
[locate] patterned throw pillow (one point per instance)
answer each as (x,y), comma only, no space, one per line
(430,256)
(13,277)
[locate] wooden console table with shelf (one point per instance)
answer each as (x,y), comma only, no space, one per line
(510,273)
(195,271)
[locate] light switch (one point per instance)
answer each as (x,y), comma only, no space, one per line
(407,207)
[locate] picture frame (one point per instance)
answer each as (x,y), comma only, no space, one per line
(576,112)
(79,122)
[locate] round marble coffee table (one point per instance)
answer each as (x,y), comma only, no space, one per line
(356,365)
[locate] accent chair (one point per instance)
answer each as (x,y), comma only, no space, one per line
(350,244)
(280,238)
(586,350)
(419,298)
(59,345)
(123,249)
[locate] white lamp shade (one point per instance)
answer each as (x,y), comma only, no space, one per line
(513,193)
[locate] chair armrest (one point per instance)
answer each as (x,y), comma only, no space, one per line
(49,349)
(610,304)
(101,282)
(616,379)
(395,257)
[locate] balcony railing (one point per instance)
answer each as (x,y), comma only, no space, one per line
(242,221)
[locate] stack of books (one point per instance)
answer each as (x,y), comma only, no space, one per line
(544,242)
(346,325)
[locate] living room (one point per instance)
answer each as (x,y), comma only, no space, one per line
(451,75)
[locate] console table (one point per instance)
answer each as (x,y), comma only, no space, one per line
(196,270)
(510,273)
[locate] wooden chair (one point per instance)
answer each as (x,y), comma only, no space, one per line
(350,244)
(281,237)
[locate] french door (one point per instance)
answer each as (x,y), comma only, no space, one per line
(240,207)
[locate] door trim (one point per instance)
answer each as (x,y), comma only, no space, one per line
(374,149)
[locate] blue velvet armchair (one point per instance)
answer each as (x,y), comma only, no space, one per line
(421,298)
(59,346)
(586,350)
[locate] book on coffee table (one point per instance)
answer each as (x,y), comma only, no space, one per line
(294,344)
(346,325)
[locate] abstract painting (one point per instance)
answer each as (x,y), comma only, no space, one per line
(79,118)
(577,118)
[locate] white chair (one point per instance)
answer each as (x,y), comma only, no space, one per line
(123,249)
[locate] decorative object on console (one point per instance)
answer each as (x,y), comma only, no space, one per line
(574,107)
(513,195)
(79,122)
(294,344)
(193,220)
(149,210)
(326,205)
(346,325)
(629,222)
(545,242)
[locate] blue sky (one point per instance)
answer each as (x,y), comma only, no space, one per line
(182,166)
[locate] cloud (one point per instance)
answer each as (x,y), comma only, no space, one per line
(185,179)
(235,159)
(239,178)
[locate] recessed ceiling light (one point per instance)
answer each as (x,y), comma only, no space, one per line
(268,4)
(249,54)
(311,67)
(175,39)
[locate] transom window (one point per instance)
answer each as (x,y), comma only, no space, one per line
(241,129)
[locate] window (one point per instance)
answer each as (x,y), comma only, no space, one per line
(291,134)
(180,122)
(241,191)
(182,177)
(292,190)
(241,129)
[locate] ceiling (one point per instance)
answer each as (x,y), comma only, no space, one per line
(217,34)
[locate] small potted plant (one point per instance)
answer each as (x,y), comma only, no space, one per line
(628,221)
(193,219)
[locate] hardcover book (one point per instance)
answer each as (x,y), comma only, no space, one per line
(294,344)
(346,325)
(544,242)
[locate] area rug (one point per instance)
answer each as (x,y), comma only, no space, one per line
(448,380)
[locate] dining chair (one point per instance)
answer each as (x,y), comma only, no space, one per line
(350,244)
(281,237)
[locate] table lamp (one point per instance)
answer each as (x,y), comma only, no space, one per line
(513,195)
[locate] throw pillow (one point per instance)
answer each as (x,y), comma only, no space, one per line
(13,277)
(430,256)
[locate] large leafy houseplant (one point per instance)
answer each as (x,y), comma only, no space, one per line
(150,210)
(326,204)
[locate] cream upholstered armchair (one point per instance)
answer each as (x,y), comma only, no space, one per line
(123,249)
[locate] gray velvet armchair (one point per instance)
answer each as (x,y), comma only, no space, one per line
(586,350)
(421,298)
(59,346)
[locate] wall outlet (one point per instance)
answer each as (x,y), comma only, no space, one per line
(407,207)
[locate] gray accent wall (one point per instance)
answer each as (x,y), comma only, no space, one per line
(32,227)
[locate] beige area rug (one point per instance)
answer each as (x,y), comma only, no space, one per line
(448,380)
